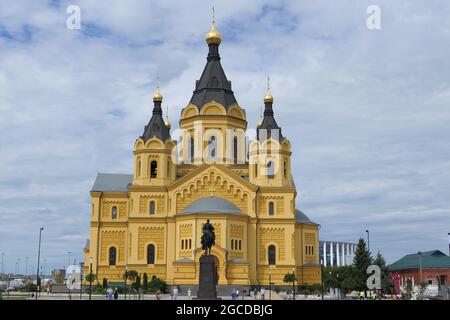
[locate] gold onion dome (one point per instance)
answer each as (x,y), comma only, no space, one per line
(268,98)
(157,97)
(213,36)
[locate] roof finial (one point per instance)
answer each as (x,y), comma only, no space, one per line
(167,122)
(157,97)
(268,98)
(213,36)
(260,117)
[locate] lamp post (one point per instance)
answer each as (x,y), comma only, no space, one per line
(420,265)
(3,262)
(270,285)
(26,266)
(368,240)
(321,276)
(293,283)
(90,278)
(126,279)
(38,280)
(81,283)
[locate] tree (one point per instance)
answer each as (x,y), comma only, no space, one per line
(90,277)
(386,281)
(362,260)
(137,282)
(145,281)
(157,284)
(289,277)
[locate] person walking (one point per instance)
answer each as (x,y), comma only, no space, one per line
(237,294)
(262,292)
(116,294)
(362,295)
(110,293)
(233,294)
(189,293)
(158,295)
(175,293)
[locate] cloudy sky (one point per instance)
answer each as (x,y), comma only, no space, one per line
(367,111)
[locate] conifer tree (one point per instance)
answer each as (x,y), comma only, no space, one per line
(362,261)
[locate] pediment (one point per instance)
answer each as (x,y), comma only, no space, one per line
(212,180)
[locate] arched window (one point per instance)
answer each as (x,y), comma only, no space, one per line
(285,168)
(151,254)
(190,243)
(139,168)
(212,146)
(270,170)
(168,168)
(192,147)
(272,255)
(271,208)
(240,245)
(256,170)
(232,244)
(235,149)
(112,256)
(114,212)
(182,244)
(151,208)
(153,169)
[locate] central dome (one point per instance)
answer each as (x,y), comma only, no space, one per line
(212,205)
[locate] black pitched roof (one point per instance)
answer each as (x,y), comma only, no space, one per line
(269,126)
(213,84)
(156,126)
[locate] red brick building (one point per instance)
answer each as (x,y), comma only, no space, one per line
(431,267)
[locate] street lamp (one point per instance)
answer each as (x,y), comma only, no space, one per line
(293,283)
(38,280)
(368,240)
(90,278)
(126,279)
(420,264)
(3,263)
(270,285)
(321,275)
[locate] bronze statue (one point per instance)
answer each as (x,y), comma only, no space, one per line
(208,237)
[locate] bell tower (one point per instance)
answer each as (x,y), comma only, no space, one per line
(270,151)
(153,165)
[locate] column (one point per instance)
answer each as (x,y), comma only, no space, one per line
(331,254)
(324,253)
(349,255)
(343,261)
(338,255)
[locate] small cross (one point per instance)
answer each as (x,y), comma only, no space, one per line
(213,15)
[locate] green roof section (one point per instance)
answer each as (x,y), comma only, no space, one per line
(430,259)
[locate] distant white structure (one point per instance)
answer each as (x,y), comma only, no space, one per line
(336,253)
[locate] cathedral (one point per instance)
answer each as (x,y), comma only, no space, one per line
(151,220)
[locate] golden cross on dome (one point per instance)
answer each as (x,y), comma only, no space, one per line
(268,83)
(213,14)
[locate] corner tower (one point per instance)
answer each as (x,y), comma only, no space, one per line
(270,152)
(153,150)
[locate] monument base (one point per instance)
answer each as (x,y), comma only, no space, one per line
(207,279)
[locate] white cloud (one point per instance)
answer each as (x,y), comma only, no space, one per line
(367,111)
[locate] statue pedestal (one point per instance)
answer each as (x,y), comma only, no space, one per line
(208,278)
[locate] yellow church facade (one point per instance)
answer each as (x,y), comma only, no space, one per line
(151,221)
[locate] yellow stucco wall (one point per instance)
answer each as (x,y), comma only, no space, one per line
(242,241)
